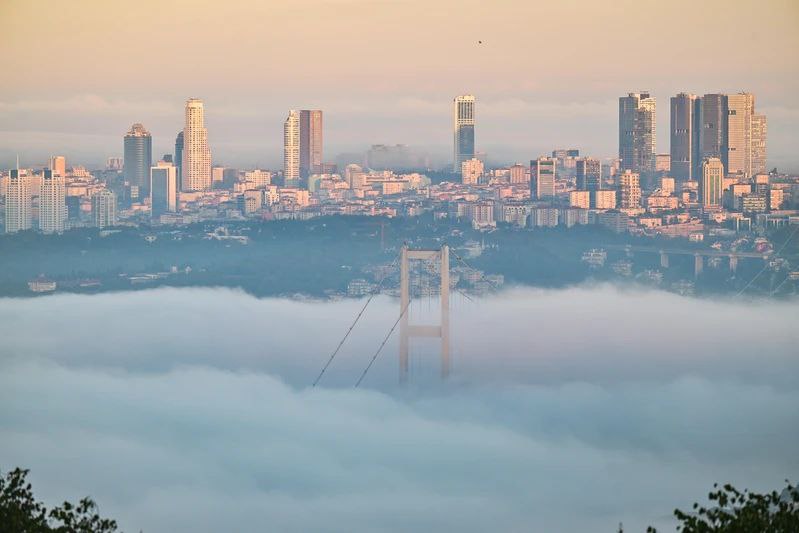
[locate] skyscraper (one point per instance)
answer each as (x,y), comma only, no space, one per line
(759,130)
(179,159)
(163,189)
(463,124)
(589,174)
(138,146)
(18,202)
(710,188)
(740,108)
(542,178)
(685,136)
(637,132)
(52,203)
(714,126)
(291,148)
(196,167)
(58,164)
(310,142)
(104,208)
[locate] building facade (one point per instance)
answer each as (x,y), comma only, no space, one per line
(196,166)
(589,174)
(711,185)
(637,124)
(291,149)
(52,203)
(310,142)
(463,117)
(138,157)
(471,171)
(18,215)
(542,178)
(104,208)
(685,129)
(163,189)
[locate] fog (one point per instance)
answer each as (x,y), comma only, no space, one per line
(567,410)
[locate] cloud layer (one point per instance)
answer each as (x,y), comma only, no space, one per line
(194,413)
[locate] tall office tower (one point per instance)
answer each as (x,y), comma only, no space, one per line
(291,148)
(310,142)
(163,189)
(629,190)
(18,202)
(58,164)
(463,125)
(179,159)
(637,132)
(710,188)
(196,167)
(104,208)
(52,203)
(471,171)
(759,130)
(138,156)
(713,119)
(542,178)
(686,128)
(589,174)
(740,108)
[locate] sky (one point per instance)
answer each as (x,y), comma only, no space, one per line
(547,74)
(196,412)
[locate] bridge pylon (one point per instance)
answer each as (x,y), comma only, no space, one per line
(408,330)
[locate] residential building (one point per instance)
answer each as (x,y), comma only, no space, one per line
(471,171)
(104,208)
(196,167)
(18,215)
(310,142)
(710,189)
(291,149)
(52,203)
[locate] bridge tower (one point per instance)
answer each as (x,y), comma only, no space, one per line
(407,330)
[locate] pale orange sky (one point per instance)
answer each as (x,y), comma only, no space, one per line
(77,74)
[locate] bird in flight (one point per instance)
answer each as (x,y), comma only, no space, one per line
(479,42)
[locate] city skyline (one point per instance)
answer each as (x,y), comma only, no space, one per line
(520,112)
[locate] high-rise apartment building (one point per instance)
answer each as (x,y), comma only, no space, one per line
(58,164)
(310,142)
(629,190)
(713,111)
(18,202)
(138,145)
(196,167)
(463,108)
(759,130)
(710,188)
(740,108)
(104,208)
(542,178)
(52,203)
(686,128)
(471,171)
(589,174)
(178,159)
(163,189)
(291,148)
(519,174)
(637,132)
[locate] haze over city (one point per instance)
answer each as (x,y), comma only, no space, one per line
(382,71)
(399,265)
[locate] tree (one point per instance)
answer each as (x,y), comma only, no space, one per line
(742,512)
(20,512)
